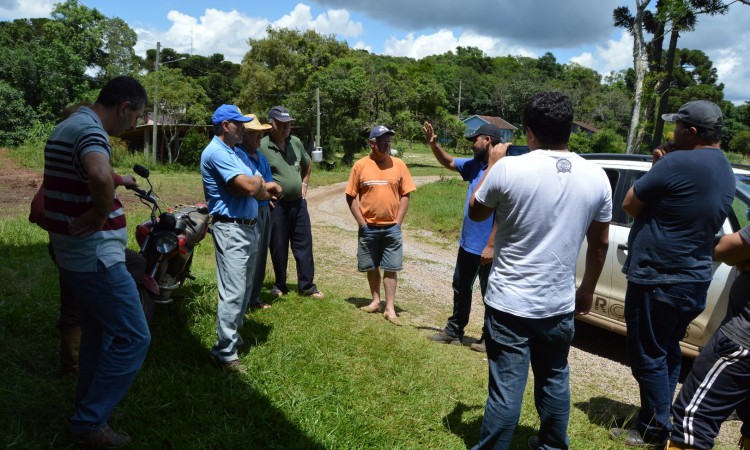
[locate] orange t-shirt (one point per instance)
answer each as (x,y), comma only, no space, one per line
(380,187)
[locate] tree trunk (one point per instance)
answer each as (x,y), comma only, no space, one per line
(664,91)
(640,63)
(654,68)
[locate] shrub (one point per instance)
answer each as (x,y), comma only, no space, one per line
(192,147)
(740,143)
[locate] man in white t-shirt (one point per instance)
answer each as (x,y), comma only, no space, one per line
(545,203)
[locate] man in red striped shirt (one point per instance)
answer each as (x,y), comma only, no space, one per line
(88,233)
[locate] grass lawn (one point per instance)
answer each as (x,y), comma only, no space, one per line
(321,374)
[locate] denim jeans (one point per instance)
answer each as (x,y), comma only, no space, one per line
(236,249)
(512,343)
(657,317)
(114,341)
(466,271)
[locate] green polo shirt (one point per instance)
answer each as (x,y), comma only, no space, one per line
(287,167)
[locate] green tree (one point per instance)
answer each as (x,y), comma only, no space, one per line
(14,116)
(741,143)
(182,101)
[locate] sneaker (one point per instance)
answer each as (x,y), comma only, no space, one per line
(632,438)
(445,338)
(479,346)
(104,437)
(277,293)
(234,366)
(317,294)
(533,443)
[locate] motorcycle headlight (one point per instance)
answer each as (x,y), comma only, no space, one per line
(166,243)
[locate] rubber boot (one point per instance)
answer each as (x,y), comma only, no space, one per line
(70,342)
(744,443)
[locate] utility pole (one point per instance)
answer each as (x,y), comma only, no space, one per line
(317,131)
(458,113)
(156,102)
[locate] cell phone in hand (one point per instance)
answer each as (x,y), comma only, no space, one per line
(515,150)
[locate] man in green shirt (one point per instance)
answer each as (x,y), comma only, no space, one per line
(290,221)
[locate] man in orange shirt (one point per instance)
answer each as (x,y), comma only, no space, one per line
(378,197)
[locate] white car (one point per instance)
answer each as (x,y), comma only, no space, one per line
(609,298)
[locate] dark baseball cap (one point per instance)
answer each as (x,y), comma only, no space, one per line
(699,113)
(487,129)
(379,131)
(280,114)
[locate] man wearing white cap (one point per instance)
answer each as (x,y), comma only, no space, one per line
(378,197)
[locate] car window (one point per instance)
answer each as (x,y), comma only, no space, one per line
(740,205)
(633,176)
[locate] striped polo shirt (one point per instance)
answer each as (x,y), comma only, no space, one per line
(67,195)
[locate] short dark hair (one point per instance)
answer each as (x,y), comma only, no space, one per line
(123,89)
(706,134)
(549,115)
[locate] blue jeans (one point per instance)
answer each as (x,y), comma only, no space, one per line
(114,341)
(512,343)
(236,249)
(657,317)
(466,271)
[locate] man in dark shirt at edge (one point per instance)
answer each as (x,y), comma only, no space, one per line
(678,206)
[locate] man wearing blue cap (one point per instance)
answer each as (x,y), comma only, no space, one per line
(378,196)
(231,188)
(291,168)
(678,206)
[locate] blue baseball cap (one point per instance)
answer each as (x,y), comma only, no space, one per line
(379,131)
(228,112)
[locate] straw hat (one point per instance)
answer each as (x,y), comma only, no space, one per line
(255,125)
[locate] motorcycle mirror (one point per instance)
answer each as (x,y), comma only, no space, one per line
(141,171)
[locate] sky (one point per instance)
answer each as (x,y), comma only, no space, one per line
(579,31)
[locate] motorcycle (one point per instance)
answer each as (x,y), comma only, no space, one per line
(167,242)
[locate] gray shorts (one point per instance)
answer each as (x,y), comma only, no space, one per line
(380,246)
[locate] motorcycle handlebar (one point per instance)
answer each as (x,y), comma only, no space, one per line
(141,194)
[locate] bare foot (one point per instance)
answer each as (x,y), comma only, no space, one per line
(392,318)
(371,308)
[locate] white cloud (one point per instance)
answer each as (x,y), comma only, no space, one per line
(615,55)
(227,32)
(334,21)
(216,31)
(362,46)
(22,9)
(444,40)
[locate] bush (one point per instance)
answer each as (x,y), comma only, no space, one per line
(192,147)
(740,143)
(15,116)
